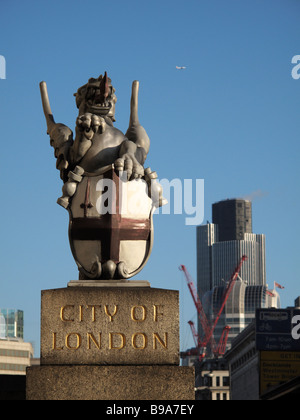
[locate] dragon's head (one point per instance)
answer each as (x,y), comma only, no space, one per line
(97,97)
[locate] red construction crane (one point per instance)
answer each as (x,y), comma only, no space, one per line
(223,341)
(194,332)
(201,343)
(209,328)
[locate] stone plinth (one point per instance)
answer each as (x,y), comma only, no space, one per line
(110,326)
(110,343)
(110,383)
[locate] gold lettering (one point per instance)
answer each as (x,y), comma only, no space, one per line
(90,337)
(156,313)
(134,316)
(62,313)
(78,341)
(108,314)
(111,341)
(54,347)
(134,340)
(93,312)
(157,338)
(80,313)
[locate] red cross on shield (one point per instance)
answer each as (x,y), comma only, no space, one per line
(111,226)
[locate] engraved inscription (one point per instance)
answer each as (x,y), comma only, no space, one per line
(107,335)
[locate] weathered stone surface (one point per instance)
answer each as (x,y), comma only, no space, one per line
(110,383)
(110,326)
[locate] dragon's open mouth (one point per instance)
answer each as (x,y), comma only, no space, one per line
(102,108)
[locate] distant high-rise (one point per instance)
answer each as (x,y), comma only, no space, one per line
(220,246)
(11,323)
(234,218)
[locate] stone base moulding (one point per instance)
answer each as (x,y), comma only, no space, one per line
(110,383)
(109,283)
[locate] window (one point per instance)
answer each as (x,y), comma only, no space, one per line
(14,353)
(207,380)
(226,381)
(9,366)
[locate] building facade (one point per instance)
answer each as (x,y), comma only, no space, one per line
(212,380)
(216,260)
(265,364)
(15,356)
(243,360)
(234,218)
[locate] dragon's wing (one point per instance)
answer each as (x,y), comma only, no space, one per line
(136,133)
(61,136)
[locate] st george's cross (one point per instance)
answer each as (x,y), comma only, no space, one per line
(118,240)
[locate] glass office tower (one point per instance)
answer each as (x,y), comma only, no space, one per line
(11,323)
(220,246)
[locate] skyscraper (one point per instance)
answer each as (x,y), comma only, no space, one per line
(220,246)
(234,218)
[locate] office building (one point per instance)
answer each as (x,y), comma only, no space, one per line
(243,360)
(11,323)
(234,218)
(220,246)
(241,305)
(265,365)
(212,380)
(15,356)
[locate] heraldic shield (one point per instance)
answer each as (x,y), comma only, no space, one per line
(111,225)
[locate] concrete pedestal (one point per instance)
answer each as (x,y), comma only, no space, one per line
(110,383)
(110,343)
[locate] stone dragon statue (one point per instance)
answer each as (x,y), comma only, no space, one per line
(99,147)
(97,142)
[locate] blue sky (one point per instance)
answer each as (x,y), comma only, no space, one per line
(231,118)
